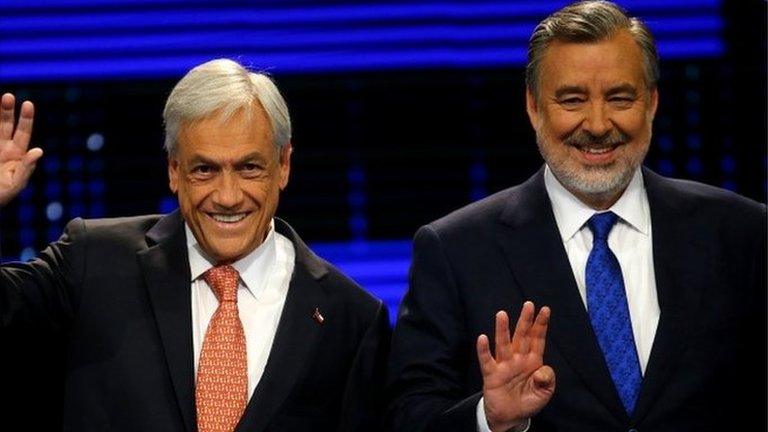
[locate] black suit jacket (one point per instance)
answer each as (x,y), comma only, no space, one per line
(119,289)
(709,252)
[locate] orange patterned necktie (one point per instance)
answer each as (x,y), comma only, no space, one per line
(222,374)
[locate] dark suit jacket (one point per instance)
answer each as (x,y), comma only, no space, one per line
(707,366)
(119,289)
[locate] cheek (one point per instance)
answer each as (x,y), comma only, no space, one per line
(261,193)
(634,122)
(191,196)
(559,124)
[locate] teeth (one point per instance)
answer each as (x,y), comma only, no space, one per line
(228,218)
(597,151)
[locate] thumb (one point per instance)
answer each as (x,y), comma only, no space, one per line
(544,378)
(27,166)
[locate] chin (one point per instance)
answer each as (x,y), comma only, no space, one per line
(224,254)
(595,181)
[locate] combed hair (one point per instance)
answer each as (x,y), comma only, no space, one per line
(224,87)
(585,22)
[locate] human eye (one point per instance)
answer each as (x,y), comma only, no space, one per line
(251,169)
(203,171)
(622,101)
(571,102)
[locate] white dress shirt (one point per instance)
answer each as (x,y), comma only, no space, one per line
(265,275)
(631,242)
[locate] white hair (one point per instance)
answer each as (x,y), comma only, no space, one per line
(224,87)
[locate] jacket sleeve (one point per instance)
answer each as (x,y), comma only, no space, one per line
(428,364)
(40,292)
(362,407)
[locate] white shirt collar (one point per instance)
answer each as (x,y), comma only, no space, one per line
(571,214)
(253,268)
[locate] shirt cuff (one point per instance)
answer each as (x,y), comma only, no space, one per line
(482,422)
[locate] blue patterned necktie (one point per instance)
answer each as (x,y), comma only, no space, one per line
(609,312)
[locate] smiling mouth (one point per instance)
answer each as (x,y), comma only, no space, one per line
(229,218)
(597,151)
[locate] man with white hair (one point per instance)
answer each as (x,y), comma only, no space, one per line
(216,317)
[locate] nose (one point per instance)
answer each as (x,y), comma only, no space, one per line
(228,193)
(597,120)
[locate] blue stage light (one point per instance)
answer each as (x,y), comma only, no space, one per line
(95,142)
(54,211)
(86,39)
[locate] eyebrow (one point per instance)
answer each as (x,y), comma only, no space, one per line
(196,159)
(565,90)
(622,88)
(618,89)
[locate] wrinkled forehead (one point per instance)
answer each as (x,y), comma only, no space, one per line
(608,61)
(243,131)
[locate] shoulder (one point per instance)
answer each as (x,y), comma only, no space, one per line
(357,309)
(341,285)
(478,213)
(111,230)
(337,286)
(117,225)
(704,200)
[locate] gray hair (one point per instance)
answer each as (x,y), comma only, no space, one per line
(584,22)
(224,87)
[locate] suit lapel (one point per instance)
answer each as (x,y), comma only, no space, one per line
(166,272)
(680,263)
(538,261)
(296,337)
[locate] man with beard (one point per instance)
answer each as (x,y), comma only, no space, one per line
(652,290)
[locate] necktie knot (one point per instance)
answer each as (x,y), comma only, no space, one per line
(223,280)
(601,224)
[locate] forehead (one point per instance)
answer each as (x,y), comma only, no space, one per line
(602,63)
(216,136)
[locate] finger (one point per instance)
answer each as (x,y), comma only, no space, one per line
(520,342)
(501,336)
(7,103)
(24,129)
(484,356)
(538,333)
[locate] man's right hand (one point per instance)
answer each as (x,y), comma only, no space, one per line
(16,162)
(516,383)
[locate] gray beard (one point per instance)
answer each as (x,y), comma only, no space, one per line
(599,183)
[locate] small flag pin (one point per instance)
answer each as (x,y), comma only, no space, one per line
(317,316)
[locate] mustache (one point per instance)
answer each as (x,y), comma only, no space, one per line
(582,138)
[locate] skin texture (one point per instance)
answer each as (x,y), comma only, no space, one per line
(593,96)
(516,383)
(17,161)
(229,168)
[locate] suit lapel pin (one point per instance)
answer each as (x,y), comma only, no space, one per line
(317,316)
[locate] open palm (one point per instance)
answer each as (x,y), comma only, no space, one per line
(16,162)
(516,383)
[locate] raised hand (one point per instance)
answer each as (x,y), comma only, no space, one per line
(16,162)
(516,383)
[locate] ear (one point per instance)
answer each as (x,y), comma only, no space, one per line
(173,174)
(654,101)
(531,107)
(285,164)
